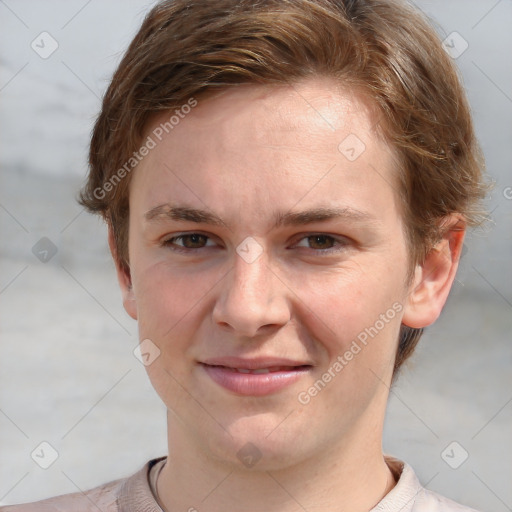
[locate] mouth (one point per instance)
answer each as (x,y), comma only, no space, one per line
(261,371)
(254,377)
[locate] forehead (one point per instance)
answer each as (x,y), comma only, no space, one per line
(257,113)
(314,140)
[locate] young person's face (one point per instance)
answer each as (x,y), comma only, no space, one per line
(265,233)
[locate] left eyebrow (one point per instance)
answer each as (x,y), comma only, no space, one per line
(323,215)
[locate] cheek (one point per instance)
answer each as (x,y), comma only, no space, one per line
(166,297)
(359,304)
(174,302)
(172,305)
(356,322)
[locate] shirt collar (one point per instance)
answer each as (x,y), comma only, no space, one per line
(402,497)
(135,494)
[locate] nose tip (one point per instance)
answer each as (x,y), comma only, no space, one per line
(248,326)
(252,300)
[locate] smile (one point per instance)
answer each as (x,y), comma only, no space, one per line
(254,381)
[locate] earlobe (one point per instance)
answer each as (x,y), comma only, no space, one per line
(123,277)
(433,279)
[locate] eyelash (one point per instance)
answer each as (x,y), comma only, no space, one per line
(339,243)
(170,242)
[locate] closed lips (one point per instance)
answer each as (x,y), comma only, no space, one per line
(256,371)
(254,377)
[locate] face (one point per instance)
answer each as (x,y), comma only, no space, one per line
(268,269)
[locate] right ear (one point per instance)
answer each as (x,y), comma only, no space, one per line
(123,277)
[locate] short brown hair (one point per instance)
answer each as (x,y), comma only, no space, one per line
(384,48)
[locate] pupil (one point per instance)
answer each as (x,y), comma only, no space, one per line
(195,241)
(321,242)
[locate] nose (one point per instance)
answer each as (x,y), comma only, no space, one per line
(252,300)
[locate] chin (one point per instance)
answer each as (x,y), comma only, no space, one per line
(254,443)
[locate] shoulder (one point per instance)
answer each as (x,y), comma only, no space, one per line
(433,502)
(111,497)
(103,498)
(410,496)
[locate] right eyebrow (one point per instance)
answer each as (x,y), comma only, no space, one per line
(182,213)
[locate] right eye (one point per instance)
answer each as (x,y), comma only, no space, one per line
(188,241)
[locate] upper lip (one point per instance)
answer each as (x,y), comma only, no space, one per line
(253,363)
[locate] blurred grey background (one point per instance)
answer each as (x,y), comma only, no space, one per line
(68,376)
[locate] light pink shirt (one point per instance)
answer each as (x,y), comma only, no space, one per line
(134,494)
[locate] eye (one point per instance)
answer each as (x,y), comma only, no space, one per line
(189,241)
(321,242)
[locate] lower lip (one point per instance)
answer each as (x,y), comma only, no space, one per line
(253,384)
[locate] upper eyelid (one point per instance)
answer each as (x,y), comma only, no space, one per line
(318,233)
(187,233)
(298,236)
(173,239)
(339,239)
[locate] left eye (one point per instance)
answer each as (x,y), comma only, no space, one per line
(319,242)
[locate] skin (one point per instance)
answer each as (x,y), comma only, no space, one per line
(248,155)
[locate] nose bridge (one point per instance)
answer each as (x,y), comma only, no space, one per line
(252,281)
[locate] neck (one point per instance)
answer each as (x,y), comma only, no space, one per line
(352,476)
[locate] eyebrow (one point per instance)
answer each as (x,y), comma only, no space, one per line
(199,216)
(183,213)
(322,215)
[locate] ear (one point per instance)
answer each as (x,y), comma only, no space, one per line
(123,277)
(433,278)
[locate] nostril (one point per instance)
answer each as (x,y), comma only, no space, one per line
(249,305)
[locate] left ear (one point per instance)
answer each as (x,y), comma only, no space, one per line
(433,278)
